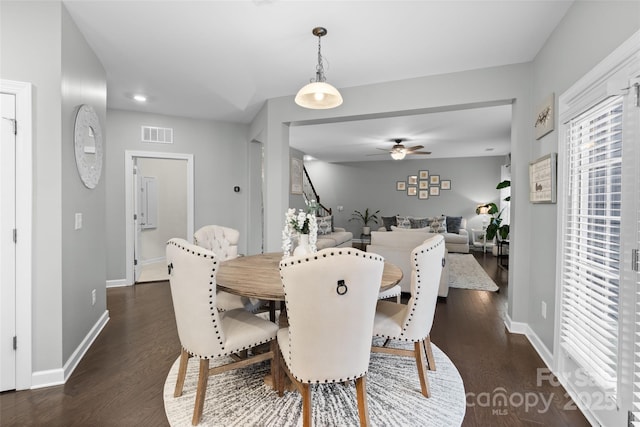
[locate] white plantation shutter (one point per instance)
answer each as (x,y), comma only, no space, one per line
(590,274)
(636,383)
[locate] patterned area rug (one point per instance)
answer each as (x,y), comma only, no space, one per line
(466,273)
(240,397)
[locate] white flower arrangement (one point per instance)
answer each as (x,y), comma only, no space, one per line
(296,224)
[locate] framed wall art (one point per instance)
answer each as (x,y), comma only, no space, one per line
(401,185)
(411,191)
(423,174)
(544,117)
(434,180)
(445,184)
(296,175)
(542,179)
(434,191)
(423,185)
(412,180)
(423,194)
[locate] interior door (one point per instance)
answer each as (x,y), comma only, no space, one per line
(137,221)
(7,243)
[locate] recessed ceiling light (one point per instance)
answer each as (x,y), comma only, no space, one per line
(140,98)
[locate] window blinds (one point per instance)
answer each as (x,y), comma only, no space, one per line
(590,275)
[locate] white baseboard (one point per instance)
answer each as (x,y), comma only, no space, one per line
(536,342)
(117,283)
(152,260)
(53,377)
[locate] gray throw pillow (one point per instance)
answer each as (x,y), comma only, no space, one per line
(419,222)
(388,221)
(324,225)
(453,224)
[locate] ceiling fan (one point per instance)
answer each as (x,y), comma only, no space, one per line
(399,151)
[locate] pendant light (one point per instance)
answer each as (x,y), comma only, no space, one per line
(319,95)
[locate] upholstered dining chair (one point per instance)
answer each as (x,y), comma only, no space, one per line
(412,322)
(393,292)
(204,332)
(223,241)
(331,298)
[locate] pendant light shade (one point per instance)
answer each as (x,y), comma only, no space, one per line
(319,95)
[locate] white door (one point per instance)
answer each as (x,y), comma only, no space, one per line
(137,222)
(7,243)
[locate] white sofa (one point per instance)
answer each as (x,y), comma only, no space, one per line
(396,248)
(454,242)
(338,238)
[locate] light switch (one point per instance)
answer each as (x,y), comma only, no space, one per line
(340,208)
(78,221)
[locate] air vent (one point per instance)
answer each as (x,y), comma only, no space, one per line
(157,135)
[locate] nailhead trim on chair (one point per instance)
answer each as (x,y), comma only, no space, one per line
(347,251)
(213,309)
(418,288)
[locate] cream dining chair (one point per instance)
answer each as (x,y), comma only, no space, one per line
(223,241)
(412,322)
(331,298)
(204,332)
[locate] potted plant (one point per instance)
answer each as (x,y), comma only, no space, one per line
(366,218)
(495,227)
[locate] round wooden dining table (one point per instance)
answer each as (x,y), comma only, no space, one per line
(258,276)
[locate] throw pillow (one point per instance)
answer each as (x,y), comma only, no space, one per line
(453,224)
(419,222)
(388,221)
(403,221)
(410,230)
(438,224)
(324,225)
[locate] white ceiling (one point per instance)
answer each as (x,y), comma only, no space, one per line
(222,59)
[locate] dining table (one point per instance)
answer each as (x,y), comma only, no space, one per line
(258,276)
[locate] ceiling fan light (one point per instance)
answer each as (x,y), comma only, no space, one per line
(318,96)
(398,154)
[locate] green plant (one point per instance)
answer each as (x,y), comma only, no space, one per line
(365,217)
(495,227)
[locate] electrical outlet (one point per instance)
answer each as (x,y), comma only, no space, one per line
(543,308)
(93,297)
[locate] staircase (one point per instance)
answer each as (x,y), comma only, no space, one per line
(309,193)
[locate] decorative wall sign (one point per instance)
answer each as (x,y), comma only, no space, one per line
(544,117)
(87,138)
(542,179)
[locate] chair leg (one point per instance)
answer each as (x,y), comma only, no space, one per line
(275,365)
(422,372)
(182,373)
(203,378)
(306,404)
(399,298)
(363,407)
(427,348)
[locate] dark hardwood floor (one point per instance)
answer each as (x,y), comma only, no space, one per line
(119,382)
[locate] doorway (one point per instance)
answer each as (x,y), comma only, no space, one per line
(150,222)
(255,225)
(15,230)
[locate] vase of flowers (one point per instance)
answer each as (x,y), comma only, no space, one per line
(302,225)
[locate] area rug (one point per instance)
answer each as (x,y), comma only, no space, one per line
(241,398)
(466,273)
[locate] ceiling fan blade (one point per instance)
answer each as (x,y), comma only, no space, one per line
(383,149)
(378,154)
(419,152)
(414,148)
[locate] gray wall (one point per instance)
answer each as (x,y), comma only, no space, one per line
(358,186)
(84,81)
(220,163)
(588,33)
(37,59)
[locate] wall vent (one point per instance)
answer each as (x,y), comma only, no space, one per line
(157,135)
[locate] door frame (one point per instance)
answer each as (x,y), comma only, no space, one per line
(129,156)
(24,215)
